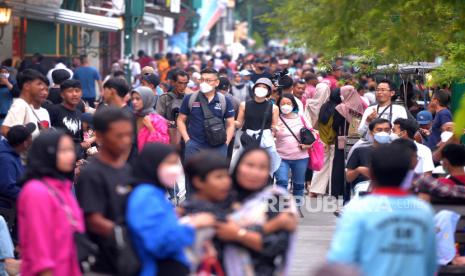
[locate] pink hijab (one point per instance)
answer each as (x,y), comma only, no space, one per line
(351,103)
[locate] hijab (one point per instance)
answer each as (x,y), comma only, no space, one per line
(241,193)
(327,109)
(148,100)
(351,103)
(146,164)
(42,157)
(314,104)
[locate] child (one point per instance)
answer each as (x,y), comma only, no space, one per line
(89,136)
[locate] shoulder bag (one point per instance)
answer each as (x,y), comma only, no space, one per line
(215,131)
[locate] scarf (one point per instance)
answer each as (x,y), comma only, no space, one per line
(314,104)
(148,100)
(352,105)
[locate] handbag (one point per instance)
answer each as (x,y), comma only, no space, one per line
(86,249)
(316,152)
(215,132)
(342,139)
(248,141)
(306,135)
(127,261)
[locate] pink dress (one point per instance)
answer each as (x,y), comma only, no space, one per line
(45,231)
(159,135)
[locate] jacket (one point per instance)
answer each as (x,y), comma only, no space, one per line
(11,170)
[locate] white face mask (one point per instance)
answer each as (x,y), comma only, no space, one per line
(6,75)
(382,137)
(261,92)
(169,175)
(205,87)
(394,136)
(446,135)
(286,109)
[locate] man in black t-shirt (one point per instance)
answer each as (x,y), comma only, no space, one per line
(102,186)
(260,70)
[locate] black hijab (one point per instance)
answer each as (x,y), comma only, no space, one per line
(145,166)
(240,193)
(42,157)
(328,108)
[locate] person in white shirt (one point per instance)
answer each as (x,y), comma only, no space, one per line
(384,109)
(26,109)
(59,65)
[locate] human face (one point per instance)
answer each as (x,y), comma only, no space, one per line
(401,133)
(384,93)
(384,127)
(237,79)
(137,102)
(299,90)
(66,155)
(180,84)
(211,79)
(285,101)
(36,89)
(117,140)
(215,187)
(107,94)
(253,170)
(72,96)
(433,105)
(43,95)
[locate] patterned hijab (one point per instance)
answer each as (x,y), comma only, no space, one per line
(314,104)
(351,104)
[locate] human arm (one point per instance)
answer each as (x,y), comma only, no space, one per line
(240,116)
(184,112)
(6,82)
(354,168)
(363,127)
(275,118)
(230,129)
(231,232)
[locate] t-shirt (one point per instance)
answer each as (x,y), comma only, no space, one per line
(21,113)
(54,95)
(360,158)
(286,144)
(101,188)
(391,114)
(449,181)
(441,117)
(195,127)
(425,159)
(68,120)
(87,75)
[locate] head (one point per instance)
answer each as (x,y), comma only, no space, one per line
(59,76)
(410,146)
(311,79)
(425,119)
(299,88)
(208,173)
(259,65)
(147,70)
(113,130)
(71,92)
(453,157)
(405,128)
(180,81)
(224,86)
(157,164)
(208,80)
(20,137)
(251,173)
(287,104)
(51,154)
(37,58)
(143,101)
(384,92)
(32,83)
(337,71)
(389,165)
(286,84)
(440,99)
(262,88)
(380,130)
(114,88)
(151,81)
(4,72)
(141,53)
(83,60)
(119,74)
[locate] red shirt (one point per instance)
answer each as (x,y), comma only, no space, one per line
(448,181)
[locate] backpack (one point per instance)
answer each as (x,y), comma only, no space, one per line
(221,98)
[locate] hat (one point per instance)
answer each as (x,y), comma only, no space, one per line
(265,81)
(153,79)
(224,84)
(19,133)
(245,73)
(424,117)
(147,70)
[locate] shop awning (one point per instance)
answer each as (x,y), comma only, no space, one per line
(91,21)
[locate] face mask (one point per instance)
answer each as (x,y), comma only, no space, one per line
(262,68)
(261,92)
(159,91)
(394,136)
(286,109)
(205,87)
(446,135)
(382,137)
(169,175)
(6,75)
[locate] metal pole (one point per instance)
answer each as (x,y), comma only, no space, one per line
(128,33)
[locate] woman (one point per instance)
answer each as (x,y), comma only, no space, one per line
(314,104)
(347,117)
(158,236)
(151,127)
(258,236)
(49,214)
(293,153)
(251,120)
(320,179)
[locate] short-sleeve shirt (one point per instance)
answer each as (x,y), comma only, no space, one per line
(195,127)
(68,120)
(360,158)
(21,113)
(87,75)
(425,159)
(441,117)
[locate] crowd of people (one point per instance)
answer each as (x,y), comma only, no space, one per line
(184,165)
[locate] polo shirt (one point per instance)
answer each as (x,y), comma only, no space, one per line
(195,127)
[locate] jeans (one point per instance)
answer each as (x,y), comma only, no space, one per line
(298,169)
(192,147)
(6,245)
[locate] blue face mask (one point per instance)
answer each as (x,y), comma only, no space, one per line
(159,91)
(382,137)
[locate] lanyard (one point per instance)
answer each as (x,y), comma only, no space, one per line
(384,110)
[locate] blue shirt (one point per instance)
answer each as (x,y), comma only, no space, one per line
(11,170)
(6,99)
(87,75)
(195,127)
(441,117)
(386,234)
(155,230)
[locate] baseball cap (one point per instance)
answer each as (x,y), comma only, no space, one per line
(424,117)
(19,133)
(224,84)
(147,70)
(152,79)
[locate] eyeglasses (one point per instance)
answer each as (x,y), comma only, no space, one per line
(208,80)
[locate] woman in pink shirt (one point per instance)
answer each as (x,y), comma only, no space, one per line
(48,213)
(294,155)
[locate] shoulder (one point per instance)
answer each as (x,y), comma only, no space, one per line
(144,191)
(34,188)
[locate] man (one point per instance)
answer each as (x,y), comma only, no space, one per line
(334,76)
(371,93)
(194,133)
(406,129)
(384,109)
(67,116)
(26,109)
(299,90)
(58,76)
(425,120)
(311,80)
(88,75)
(239,88)
(36,64)
(59,65)
(102,186)
(388,232)
(144,60)
(17,142)
(259,70)
(8,88)
(442,115)
(224,88)
(152,81)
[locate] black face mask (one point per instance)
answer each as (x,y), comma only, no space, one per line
(262,68)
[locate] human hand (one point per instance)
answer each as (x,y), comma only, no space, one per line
(287,221)
(148,123)
(85,144)
(372,116)
(364,171)
(227,231)
(202,220)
